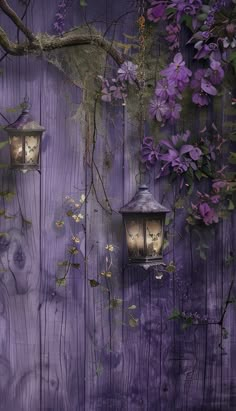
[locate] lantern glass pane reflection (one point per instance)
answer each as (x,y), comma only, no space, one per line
(154,237)
(16,150)
(135,236)
(32,150)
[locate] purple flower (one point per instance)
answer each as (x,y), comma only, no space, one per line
(172,37)
(174,110)
(157,12)
(158,109)
(195,153)
(208,214)
(208,87)
(177,157)
(201,99)
(189,7)
(203,87)
(177,70)
(106,94)
(149,152)
(215,199)
(165,89)
(127,72)
(216,72)
(203,50)
(218,185)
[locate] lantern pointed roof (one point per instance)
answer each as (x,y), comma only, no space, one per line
(143,202)
(25,121)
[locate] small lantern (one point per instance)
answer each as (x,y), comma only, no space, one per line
(25,140)
(144,220)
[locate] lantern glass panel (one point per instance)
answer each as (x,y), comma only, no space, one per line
(32,150)
(16,149)
(154,236)
(135,236)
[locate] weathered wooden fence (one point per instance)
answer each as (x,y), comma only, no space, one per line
(64,347)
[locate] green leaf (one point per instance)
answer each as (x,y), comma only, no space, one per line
(170,268)
(232,158)
(2,234)
(26,221)
(132,307)
(187,324)
(69,213)
(3,144)
(231,205)
(73,250)
(7,195)
(83,3)
(133,322)
(63,263)
(115,302)
(94,283)
(166,244)
(61,282)
(179,203)
(75,265)
(191,220)
(176,315)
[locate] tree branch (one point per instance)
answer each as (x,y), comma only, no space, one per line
(16,20)
(45,43)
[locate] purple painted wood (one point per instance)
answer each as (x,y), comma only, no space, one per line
(64,348)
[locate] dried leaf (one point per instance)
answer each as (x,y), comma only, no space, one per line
(94,283)
(75,265)
(115,302)
(132,307)
(133,322)
(61,282)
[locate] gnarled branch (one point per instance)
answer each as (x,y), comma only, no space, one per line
(16,20)
(44,42)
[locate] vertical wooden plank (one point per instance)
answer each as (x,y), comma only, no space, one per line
(20,283)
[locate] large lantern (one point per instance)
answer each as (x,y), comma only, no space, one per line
(25,140)
(144,220)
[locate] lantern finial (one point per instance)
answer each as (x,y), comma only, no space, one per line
(26,106)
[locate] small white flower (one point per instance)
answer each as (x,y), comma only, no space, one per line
(82,199)
(110,247)
(77,217)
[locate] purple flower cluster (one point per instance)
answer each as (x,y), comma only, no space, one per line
(113,91)
(206,208)
(174,154)
(195,317)
(204,82)
(117,90)
(157,11)
(176,77)
(173,32)
(59,22)
(150,152)
(216,7)
(189,7)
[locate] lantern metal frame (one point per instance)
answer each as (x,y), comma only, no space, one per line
(144,207)
(24,127)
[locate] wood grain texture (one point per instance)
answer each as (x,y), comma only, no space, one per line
(63,348)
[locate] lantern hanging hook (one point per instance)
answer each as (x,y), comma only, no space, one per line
(26,105)
(143,178)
